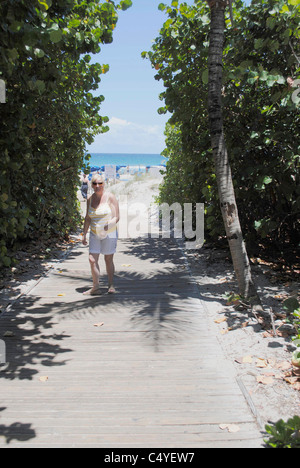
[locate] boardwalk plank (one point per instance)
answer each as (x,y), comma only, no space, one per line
(152,375)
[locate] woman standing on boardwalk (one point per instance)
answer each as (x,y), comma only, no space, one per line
(102,216)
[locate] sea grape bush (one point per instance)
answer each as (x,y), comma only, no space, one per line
(261,114)
(284,434)
(50,113)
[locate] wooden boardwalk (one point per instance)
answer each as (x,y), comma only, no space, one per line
(150,374)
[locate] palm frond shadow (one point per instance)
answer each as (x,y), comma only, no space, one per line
(155,250)
(29,346)
(155,303)
(17,431)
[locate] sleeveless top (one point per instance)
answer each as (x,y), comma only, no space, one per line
(99,218)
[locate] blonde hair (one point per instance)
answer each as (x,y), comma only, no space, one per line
(96,177)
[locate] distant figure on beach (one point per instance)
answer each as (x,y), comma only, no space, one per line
(102,217)
(84,186)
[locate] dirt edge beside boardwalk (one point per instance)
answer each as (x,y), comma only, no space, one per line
(262,361)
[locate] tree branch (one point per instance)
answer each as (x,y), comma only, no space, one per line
(294,53)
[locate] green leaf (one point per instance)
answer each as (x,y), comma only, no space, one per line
(291,304)
(56,36)
(296,357)
(271,22)
(267,180)
(6,261)
(13,54)
(205,76)
(16,26)
(264,75)
(285,9)
(125,4)
(104,69)
(258,43)
(274,45)
(74,23)
(39,53)
(252,77)
(45,4)
(40,86)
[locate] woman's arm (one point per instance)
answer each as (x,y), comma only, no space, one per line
(115,210)
(87,222)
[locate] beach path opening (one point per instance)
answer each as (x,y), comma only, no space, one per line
(140,368)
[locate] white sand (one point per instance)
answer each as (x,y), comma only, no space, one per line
(138,189)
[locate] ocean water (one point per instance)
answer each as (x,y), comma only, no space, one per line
(126,159)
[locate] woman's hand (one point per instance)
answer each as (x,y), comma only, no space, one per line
(84,241)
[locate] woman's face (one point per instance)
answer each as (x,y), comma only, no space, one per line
(98,185)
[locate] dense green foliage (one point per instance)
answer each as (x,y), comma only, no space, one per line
(291,307)
(261,114)
(50,113)
(284,434)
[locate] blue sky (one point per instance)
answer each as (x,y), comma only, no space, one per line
(130,90)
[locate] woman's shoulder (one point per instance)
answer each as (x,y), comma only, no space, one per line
(89,199)
(110,196)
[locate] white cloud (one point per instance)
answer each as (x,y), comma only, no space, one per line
(118,125)
(130,137)
(115,122)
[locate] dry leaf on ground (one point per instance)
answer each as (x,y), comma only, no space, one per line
(221,320)
(232,428)
(261,363)
(44,378)
(291,380)
(284,365)
(99,324)
(247,360)
(244,360)
(269,374)
(244,324)
(265,380)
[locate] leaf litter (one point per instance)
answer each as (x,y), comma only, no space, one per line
(247,338)
(232,428)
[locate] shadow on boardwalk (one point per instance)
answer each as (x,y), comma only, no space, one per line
(152,330)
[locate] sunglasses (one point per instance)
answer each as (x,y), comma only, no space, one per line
(97,183)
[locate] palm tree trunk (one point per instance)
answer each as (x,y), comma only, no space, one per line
(223,171)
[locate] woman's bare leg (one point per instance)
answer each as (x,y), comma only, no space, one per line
(95,269)
(110,268)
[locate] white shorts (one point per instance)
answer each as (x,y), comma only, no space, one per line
(107,246)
